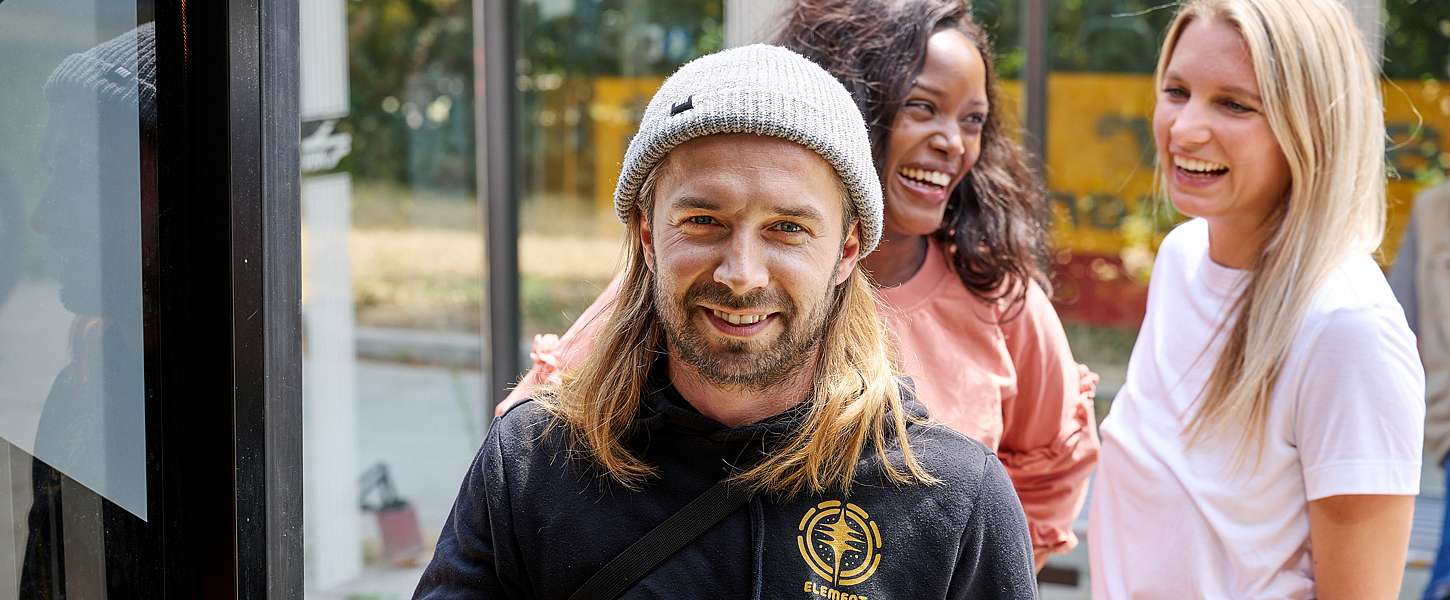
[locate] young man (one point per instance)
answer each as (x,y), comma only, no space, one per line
(745,347)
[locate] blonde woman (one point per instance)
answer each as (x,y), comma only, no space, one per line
(1267,441)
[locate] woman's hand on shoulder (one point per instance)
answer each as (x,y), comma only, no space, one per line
(1087,382)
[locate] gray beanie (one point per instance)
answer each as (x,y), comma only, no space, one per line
(121,70)
(765,90)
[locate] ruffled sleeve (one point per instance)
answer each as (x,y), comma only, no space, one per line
(1049,441)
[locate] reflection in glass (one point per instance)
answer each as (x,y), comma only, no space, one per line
(93,425)
(81,95)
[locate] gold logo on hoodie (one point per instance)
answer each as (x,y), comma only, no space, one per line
(840,542)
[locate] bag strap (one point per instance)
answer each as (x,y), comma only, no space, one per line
(664,540)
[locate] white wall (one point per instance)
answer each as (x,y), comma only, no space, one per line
(751,21)
(1367,14)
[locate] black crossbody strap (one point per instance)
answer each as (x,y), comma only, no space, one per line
(664,540)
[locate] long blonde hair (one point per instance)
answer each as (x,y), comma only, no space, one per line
(855,395)
(1322,101)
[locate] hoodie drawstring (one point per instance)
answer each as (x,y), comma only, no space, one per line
(757,546)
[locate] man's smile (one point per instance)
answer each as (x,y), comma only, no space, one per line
(739,324)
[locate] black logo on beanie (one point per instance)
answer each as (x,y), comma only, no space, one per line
(678,108)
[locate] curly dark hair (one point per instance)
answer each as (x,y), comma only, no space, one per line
(996,219)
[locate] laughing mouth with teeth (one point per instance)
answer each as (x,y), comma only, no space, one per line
(1193,167)
(926,176)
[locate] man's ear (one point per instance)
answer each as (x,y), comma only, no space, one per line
(850,252)
(646,238)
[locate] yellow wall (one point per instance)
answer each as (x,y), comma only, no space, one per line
(617,107)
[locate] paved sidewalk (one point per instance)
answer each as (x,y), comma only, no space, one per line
(426,423)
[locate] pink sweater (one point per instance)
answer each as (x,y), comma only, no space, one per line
(1011,385)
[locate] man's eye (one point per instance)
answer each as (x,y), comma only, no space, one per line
(788,227)
(700,220)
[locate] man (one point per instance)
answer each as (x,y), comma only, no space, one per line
(744,347)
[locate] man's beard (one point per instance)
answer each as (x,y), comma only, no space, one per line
(735,364)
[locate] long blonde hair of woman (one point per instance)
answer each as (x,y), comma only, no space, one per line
(1322,99)
(854,400)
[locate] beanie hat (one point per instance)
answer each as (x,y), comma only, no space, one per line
(121,70)
(765,90)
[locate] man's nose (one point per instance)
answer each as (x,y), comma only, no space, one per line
(742,268)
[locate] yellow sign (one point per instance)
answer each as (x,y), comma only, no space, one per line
(840,543)
(618,105)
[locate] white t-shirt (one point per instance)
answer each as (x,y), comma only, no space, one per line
(1346,416)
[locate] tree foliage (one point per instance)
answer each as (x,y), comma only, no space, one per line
(410,70)
(1123,36)
(1417,39)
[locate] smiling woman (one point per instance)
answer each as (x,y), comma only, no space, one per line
(1227,165)
(1273,410)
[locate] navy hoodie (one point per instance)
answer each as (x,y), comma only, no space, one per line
(535,521)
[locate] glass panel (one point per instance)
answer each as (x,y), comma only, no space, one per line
(586,72)
(392,286)
(80,90)
(71,318)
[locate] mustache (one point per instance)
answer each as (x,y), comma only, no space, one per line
(719,294)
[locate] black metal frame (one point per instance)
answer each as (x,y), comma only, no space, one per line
(225,410)
(498,130)
(264,135)
(1034,75)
